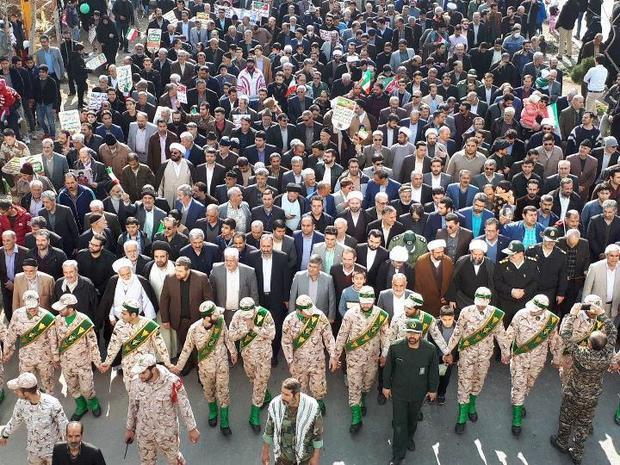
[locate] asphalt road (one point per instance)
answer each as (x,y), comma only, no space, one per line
(489,441)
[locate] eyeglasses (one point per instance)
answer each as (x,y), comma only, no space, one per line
(548,144)
(378,140)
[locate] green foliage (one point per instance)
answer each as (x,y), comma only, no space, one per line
(578,71)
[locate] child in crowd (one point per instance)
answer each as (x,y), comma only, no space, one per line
(446,324)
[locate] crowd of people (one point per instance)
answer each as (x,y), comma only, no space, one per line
(219,209)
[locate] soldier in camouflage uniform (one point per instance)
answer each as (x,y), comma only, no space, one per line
(584,385)
(209,336)
(531,333)
(364,336)
(254,328)
(306,335)
(294,427)
(615,368)
(31,325)
(476,327)
(135,335)
(414,243)
(43,415)
(586,322)
(74,346)
(3,334)
(156,398)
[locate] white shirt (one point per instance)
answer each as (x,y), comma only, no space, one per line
(328,174)
(564,201)
(418,165)
(157,276)
(596,77)
(162,147)
(140,141)
(435,181)
(611,279)
(209,176)
(177,168)
(416,194)
(148,222)
(386,234)
(267,262)
(232,289)
(370,258)
(398,305)
(277,245)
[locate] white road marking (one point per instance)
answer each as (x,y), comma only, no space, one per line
(521,457)
(436,450)
(480,451)
(502,457)
(610,450)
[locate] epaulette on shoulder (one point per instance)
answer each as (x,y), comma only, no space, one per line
(504,261)
(561,250)
(532,258)
(421,238)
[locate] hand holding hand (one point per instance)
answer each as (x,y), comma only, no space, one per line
(129,435)
(333,365)
(387,393)
(431,396)
(381,362)
(234,358)
(194,436)
(103,368)
(505,359)
(3,441)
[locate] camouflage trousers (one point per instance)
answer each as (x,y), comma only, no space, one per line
(32,460)
(473,367)
(524,370)
(79,380)
(1,370)
(258,369)
(214,376)
(575,425)
(43,370)
(311,376)
(361,374)
(566,365)
(168,446)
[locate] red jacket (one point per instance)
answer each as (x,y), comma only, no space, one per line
(21,225)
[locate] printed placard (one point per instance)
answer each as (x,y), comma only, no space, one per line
(70,120)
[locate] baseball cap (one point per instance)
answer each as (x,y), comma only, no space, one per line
(514,247)
(65,301)
(23,381)
(144,361)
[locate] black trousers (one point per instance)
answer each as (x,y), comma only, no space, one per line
(404,424)
(7,302)
(443,382)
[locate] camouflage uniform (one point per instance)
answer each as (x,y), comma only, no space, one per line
(45,426)
(583,388)
(256,355)
(76,360)
(419,246)
(124,332)
(363,360)
(526,366)
(307,363)
(152,414)
(398,325)
(36,356)
(474,360)
(581,329)
(3,335)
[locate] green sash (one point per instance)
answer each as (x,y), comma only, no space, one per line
(426,319)
(538,338)
(482,332)
(78,332)
(370,332)
(259,319)
(211,343)
(140,337)
(306,331)
(39,328)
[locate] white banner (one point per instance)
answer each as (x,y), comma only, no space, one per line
(182,93)
(95,100)
(344,111)
(123,75)
(96,62)
(153,40)
(70,120)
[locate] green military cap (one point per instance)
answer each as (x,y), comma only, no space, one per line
(303,302)
(551,234)
(413,325)
(247,304)
(414,300)
(514,247)
(131,306)
(206,309)
(367,295)
(409,237)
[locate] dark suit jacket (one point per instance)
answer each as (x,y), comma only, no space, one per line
(65,226)
(394,231)
(434,223)
(575,203)
(357,232)
(219,174)
(170,300)
(280,283)
(154,149)
(294,107)
(30,241)
(299,245)
(596,235)
(17,268)
(195,212)
(258,213)
(381,256)
(462,245)
(86,296)
(251,153)
(274,136)
(409,165)
(187,75)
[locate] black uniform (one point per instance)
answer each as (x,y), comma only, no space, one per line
(553,280)
(410,374)
(509,277)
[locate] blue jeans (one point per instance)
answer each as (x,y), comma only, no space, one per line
(45,114)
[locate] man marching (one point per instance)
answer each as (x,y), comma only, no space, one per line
(254,328)
(135,335)
(156,399)
(74,345)
(209,336)
(477,325)
(43,416)
(30,324)
(588,320)
(3,334)
(532,332)
(364,337)
(306,335)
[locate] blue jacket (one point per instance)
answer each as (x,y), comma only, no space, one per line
(468,214)
(434,221)
(299,245)
(115,130)
(453,191)
(81,206)
(194,213)
(515,231)
(373,188)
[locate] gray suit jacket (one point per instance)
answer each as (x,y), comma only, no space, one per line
(596,283)
(61,166)
(137,210)
(248,286)
(365,159)
(319,248)
(58,67)
(325,301)
(133,129)
(386,300)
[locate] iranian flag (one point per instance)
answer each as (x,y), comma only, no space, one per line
(292,87)
(132,34)
(392,86)
(552,111)
(366,80)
